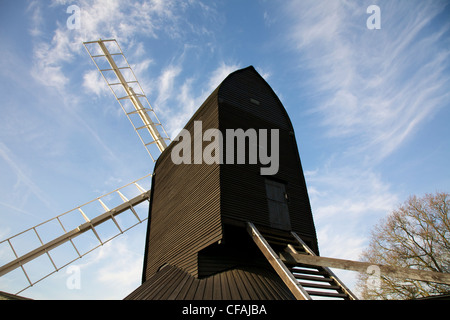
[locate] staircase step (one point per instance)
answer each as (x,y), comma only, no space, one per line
(327,294)
(312,278)
(308,271)
(319,286)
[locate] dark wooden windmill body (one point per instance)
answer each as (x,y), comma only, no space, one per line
(224,230)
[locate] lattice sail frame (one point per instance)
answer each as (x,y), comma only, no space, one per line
(121,79)
(63,225)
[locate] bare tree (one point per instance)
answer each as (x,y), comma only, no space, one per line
(415,235)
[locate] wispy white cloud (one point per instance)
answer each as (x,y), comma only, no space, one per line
(36,18)
(166,83)
(122,20)
(48,59)
(127,265)
(178,100)
(350,191)
(94,82)
(24,184)
(125,20)
(346,202)
(377,85)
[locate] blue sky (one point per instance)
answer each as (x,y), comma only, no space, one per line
(370,109)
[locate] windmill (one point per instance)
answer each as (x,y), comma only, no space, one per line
(278,281)
(274,232)
(215,230)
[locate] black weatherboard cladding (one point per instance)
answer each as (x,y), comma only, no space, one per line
(184,212)
(192,204)
(243,190)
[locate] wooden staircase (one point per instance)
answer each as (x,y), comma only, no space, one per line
(306,282)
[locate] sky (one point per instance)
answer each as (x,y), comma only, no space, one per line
(370,109)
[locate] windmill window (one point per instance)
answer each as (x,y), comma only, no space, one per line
(277,201)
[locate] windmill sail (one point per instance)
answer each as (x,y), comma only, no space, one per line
(120,78)
(86,220)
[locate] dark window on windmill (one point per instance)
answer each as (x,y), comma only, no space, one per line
(277,201)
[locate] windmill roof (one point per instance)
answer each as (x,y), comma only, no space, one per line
(246,283)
